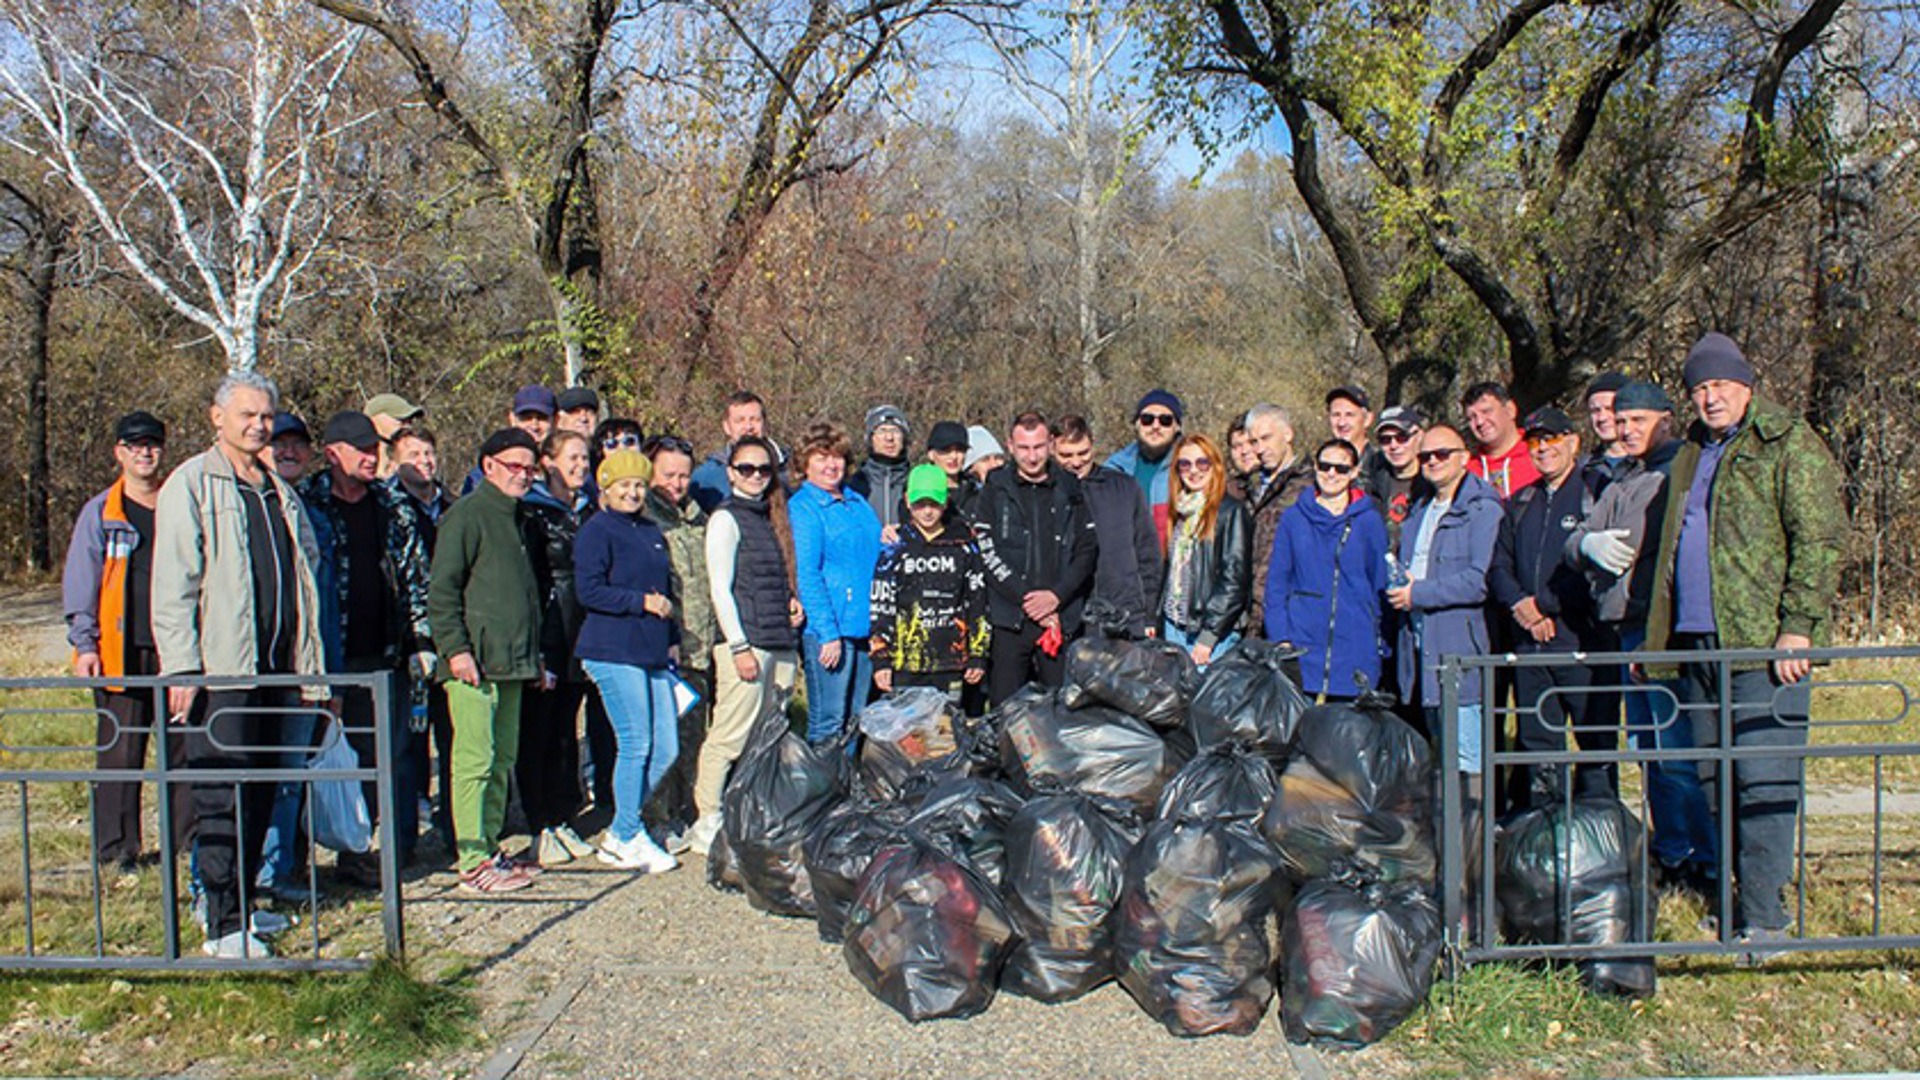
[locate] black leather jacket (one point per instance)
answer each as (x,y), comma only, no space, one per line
(1223,576)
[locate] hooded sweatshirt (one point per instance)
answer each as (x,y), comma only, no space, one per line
(1324,581)
(930,603)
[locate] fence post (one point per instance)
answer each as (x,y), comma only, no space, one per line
(386,763)
(1452,862)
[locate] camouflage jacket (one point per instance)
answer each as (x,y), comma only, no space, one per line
(1777,525)
(686,529)
(405,566)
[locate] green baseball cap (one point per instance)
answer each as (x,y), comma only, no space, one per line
(927,483)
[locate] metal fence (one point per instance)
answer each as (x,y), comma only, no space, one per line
(1469,842)
(48,750)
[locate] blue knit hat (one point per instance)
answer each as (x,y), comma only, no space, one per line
(1163,398)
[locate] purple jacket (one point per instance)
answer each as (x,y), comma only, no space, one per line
(1450,600)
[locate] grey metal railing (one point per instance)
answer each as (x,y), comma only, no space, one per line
(1470,905)
(25,768)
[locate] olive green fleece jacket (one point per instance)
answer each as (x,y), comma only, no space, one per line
(484,598)
(1777,521)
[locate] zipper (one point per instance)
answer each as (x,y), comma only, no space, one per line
(1333,613)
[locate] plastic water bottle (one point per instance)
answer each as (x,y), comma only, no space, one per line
(1397,576)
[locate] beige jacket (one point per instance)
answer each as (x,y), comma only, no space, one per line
(203,576)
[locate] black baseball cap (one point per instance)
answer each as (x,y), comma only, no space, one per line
(139,426)
(1548,420)
(1355,394)
(947,435)
(352,427)
(1399,418)
(578,397)
(285,423)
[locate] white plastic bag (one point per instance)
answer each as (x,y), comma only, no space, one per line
(339,819)
(903,713)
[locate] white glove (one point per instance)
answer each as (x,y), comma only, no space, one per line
(1609,550)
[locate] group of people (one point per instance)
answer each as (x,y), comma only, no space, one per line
(592,570)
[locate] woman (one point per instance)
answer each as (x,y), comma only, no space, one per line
(671,505)
(626,645)
(1209,573)
(596,774)
(548,768)
(836,544)
(750,578)
(1323,586)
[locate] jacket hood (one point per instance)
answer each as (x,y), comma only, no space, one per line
(1323,520)
(1473,489)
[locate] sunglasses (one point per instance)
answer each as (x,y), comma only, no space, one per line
(1541,438)
(752,469)
(1396,436)
(1162,419)
(1428,457)
(1193,465)
(672,443)
(1338,467)
(624,441)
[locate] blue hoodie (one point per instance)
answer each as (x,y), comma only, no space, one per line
(1335,617)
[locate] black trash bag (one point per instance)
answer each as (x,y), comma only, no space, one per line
(1323,830)
(968,818)
(1358,960)
(1066,862)
(1577,880)
(1190,934)
(723,872)
(1095,750)
(928,934)
(1226,782)
(1247,697)
(1374,754)
(838,851)
(1148,680)
(779,790)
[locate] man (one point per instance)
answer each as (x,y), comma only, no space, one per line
(741,415)
(1149,457)
(415,453)
(882,478)
(1550,610)
(578,410)
(484,606)
(390,413)
(1749,559)
(291,448)
(1395,482)
(1126,577)
(105,594)
(1500,456)
(375,621)
(533,410)
(1607,460)
(1446,550)
(1243,459)
(1038,544)
(1350,417)
(1625,521)
(1281,479)
(234,595)
(670,506)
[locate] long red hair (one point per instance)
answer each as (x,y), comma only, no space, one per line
(1215,490)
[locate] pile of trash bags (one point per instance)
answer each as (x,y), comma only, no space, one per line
(1147,825)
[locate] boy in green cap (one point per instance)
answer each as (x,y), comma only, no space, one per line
(930,596)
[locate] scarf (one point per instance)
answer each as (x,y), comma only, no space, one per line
(1180,548)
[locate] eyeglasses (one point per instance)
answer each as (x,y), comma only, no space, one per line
(1339,467)
(626,440)
(1163,419)
(518,469)
(1395,436)
(143,447)
(1193,465)
(752,469)
(1438,453)
(672,443)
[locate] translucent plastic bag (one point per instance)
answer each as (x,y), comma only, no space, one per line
(1358,960)
(927,934)
(1370,752)
(1046,746)
(837,853)
(1148,680)
(915,710)
(1323,830)
(339,819)
(1575,879)
(1247,697)
(779,790)
(1066,859)
(1190,934)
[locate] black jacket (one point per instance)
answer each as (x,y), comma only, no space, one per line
(884,485)
(1527,562)
(551,527)
(1223,577)
(1127,567)
(1022,555)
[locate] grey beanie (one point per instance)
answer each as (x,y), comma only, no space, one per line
(881,415)
(1714,356)
(1642,395)
(981,443)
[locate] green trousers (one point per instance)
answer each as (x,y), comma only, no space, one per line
(486,740)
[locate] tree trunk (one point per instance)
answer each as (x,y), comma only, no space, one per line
(1839,396)
(49,245)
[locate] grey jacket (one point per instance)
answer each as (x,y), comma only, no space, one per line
(1634,500)
(203,575)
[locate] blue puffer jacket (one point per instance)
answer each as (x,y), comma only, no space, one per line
(617,560)
(1323,592)
(1450,598)
(836,545)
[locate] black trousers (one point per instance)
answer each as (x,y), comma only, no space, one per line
(548,769)
(602,748)
(671,806)
(125,725)
(1015,659)
(225,730)
(1550,703)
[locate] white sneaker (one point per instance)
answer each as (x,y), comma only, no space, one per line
(238,945)
(659,860)
(700,837)
(639,853)
(677,842)
(552,851)
(575,846)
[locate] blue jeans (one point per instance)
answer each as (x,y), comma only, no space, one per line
(646,735)
(1471,720)
(1676,800)
(835,696)
(281,857)
(1175,635)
